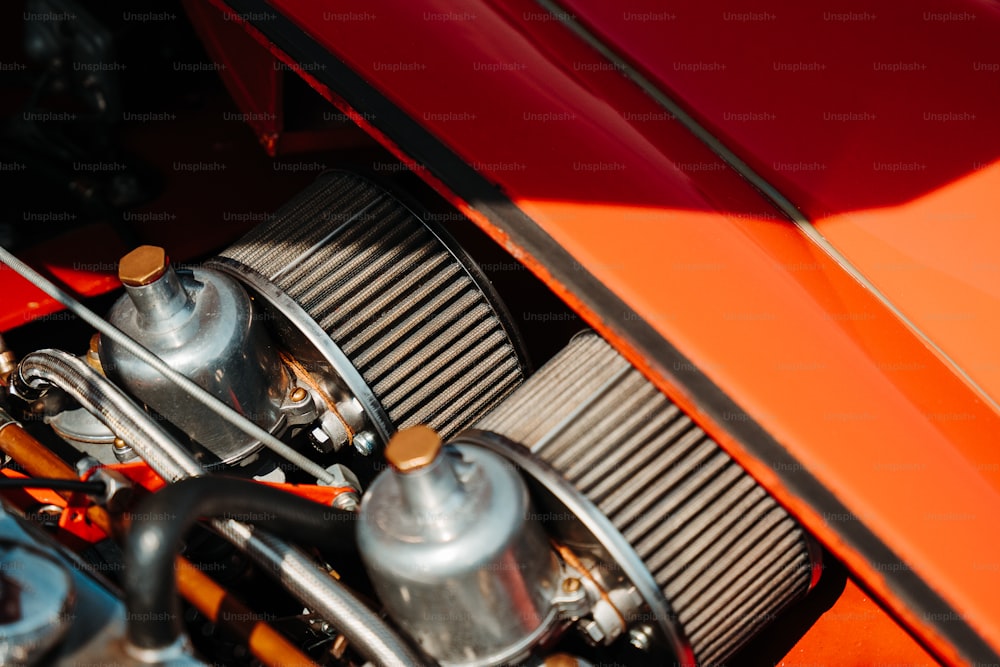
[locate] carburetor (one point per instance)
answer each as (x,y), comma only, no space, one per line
(204,325)
(575,509)
(455,554)
(402,330)
(585,474)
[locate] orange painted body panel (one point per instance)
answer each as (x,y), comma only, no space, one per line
(855,632)
(810,355)
(879,124)
(936,259)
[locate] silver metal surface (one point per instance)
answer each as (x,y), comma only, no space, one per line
(78,427)
(123,451)
(110,404)
(201,324)
(303,578)
(367,633)
(575,521)
(405,325)
(36,596)
(219,408)
(457,560)
(85,432)
(311,346)
(118,489)
(712,553)
(163,304)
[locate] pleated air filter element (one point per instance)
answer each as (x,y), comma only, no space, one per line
(725,555)
(392,296)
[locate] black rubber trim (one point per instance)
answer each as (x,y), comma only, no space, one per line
(489,200)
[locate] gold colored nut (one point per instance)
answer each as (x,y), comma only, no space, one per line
(8,364)
(143,265)
(571,585)
(93,357)
(561,660)
(413,448)
(339,646)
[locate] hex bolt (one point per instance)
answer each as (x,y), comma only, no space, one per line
(118,489)
(640,637)
(93,353)
(144,265)
(123,451)
(319,435)
(591,631)
(413,448)
(86,464)
(364,442)
(347,501)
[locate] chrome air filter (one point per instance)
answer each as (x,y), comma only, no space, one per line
(404,320)
(724,556)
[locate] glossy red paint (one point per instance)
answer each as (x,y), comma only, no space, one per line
(72,520)
(881,126)
(255,79)
(77,259)
(807,352)
(800,346)
(250,73)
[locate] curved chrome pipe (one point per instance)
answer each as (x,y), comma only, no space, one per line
(112,406)
(182,382)
(303,578)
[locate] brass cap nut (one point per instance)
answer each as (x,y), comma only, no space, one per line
(413,448)
(142,266)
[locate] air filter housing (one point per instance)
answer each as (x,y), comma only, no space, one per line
(407,321)
(723,554)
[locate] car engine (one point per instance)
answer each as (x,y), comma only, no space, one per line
(330,441)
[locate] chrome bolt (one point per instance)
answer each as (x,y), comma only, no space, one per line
(347,501)
(364,442)
(591,631)
(319,436)
(86,464)
(640,637)
(118,489)
(47,515)
(123,451)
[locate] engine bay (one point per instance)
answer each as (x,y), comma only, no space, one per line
(354,362)
(351,429)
